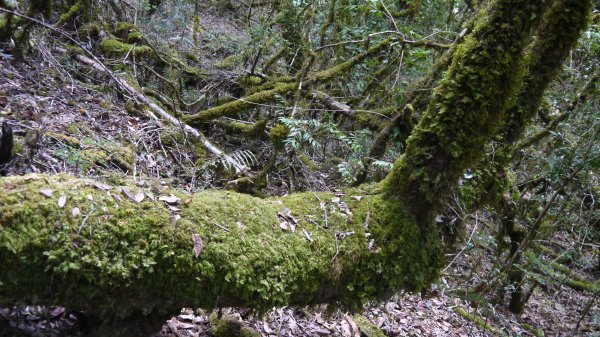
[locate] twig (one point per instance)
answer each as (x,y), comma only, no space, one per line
(222,227)
(466,244)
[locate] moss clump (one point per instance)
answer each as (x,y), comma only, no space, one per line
(537,332)
(249,81)
(131,257)
(366,327)
(245,129)
(88,152)
(92,29)
(478,321)
(238,106)
(116,48)
(277,135)
(229,62)
(73,10)
(227,327)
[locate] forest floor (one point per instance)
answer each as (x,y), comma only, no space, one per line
(62,124)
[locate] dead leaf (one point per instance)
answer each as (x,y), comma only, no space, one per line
(140,196)
(346,329)
(102,186)
(174,209)
(32,176)
(171,199)
(150,195)
(357,197)
(62,200)
(198,245)
(75,212)
(46,192)
(354,326)
(266,328)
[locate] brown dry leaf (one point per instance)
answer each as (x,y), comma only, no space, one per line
(46,192)
(171,199)
(198,245)
(62,200)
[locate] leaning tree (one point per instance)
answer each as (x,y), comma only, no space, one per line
(128,259)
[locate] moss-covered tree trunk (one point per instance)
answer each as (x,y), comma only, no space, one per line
(119,253)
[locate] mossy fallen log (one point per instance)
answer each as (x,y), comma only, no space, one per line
(260,97)
(104,251)
(480,322)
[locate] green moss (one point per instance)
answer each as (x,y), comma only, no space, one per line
(73,10)
(245,129)
(478,321)
(129,257)
(465,110)
(228,327)
(18,147)
(344,67)
(88,152)
(366,327)
(238,106)
(277,135)
(537,332)
(116,48)
(230,61)
(91,29)
(562,26)
(249,81)
(124,28)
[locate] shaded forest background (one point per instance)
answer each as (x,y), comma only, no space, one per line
(270,98)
